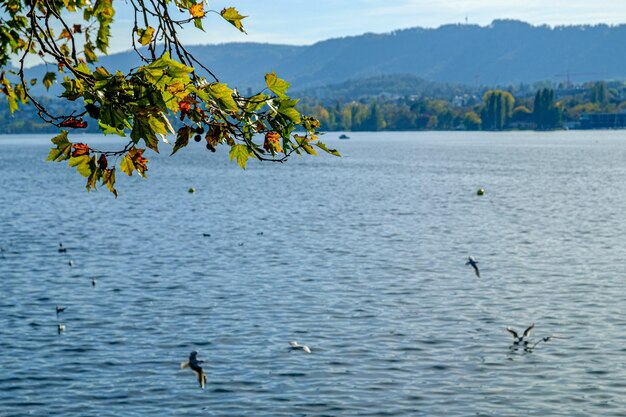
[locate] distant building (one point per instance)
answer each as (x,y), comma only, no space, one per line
(603,121)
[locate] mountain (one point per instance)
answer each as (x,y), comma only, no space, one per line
(504,52)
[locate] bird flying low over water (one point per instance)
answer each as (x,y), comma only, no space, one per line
(297,346)
(60,310)
(61,248)
(194,364)
(474,263)
(524,338)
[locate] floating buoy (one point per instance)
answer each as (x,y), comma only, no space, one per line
(481,191)
(192,190)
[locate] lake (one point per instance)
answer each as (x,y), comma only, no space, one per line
(362,258)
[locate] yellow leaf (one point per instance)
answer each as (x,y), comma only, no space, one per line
(233,17)
(145,35)
(65,34)
(197,10)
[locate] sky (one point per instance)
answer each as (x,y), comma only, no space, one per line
(304,22)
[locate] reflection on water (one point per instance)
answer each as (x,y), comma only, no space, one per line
(361,258)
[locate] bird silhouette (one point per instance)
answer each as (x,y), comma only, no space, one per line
(93,282)
(61,248)
(474,263)
(60,310)
(194,364)
(60,328)
(524,338)
(297,346)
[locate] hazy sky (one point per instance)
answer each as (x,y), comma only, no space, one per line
(308,21)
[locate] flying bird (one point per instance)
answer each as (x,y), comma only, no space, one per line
(297,346)
(61,248)
(60,310)
(524,338)
(474,263)
(194,364)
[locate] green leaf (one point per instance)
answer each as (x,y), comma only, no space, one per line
(255,103)
(182,138)
(223,95)
(233,17)
(63,149)
(326,149)
(90,54)
(101,74)
(142,129)
(242,154)
(48,79)
(287,109)
(82,164)
(276,85)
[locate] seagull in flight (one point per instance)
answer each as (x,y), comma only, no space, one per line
(60,310)
(474,263)
(194,364)
(297,346)
(524,338)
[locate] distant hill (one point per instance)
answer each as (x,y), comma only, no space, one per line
(504,52)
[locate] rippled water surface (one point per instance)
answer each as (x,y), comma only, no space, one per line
(362,258)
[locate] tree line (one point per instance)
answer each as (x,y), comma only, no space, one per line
(497,109)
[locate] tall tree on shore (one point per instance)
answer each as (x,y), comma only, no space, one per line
(497,108)
(139,105)
(547,114)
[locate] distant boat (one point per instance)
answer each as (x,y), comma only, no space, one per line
(344,136)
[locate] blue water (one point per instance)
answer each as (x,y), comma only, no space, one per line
(362,258)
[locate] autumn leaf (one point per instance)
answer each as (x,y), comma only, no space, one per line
(145,35)
(102,162)
(108,177)
(65,34)
(136,156)
(197,10)
(272,142)
(233,17)
(79,149)
(182,138)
